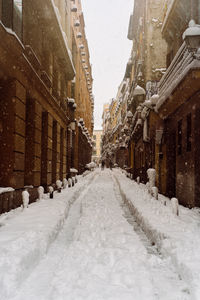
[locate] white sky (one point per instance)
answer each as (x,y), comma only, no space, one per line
(106,25)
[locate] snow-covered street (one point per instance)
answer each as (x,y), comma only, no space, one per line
(94,242)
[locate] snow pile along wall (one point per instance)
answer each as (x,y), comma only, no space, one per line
(177,237)
(25,235)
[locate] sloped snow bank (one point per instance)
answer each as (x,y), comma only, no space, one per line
(176,237)
(27,234)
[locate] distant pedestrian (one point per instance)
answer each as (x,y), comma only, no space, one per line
(102,165)
(110,164)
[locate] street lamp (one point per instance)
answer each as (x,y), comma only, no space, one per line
(191,36)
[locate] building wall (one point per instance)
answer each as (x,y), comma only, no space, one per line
(181,110)
(97,134)
(35,115)
(82,85)
(185,159)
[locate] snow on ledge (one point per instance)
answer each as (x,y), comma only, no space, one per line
(73,170)
(11,32)
(6,189)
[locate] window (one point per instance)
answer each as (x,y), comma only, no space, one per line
(180,137)
(11,15)
(189,133)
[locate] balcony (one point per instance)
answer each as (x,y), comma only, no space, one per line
(49,17)
(181,81)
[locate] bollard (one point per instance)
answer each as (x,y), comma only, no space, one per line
(69,182)
(40,192)
(25,199)
(51,190)
(73,181)
(64,183)
(154,192)
(151,173)
(175,206)
(59,185)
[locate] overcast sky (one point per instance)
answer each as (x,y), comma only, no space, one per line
(106,25)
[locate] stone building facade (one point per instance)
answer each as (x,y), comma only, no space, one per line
(178,102)
(80,148)
(36,84)
(162,121)
(97,143)
(144,69)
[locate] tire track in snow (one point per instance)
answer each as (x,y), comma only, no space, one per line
(38,284)
(162,268)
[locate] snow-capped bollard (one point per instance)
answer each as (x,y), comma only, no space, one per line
(51,190)
(154,192)
(65,183)
(151,173)
(40,192)
(138,180)
(73,181)
(25,199)
(69,182)
(59,185)
(175,206)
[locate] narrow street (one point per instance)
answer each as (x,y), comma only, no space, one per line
(102,253)
(100,150)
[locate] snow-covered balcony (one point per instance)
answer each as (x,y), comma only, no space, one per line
(49,16)
(181,79)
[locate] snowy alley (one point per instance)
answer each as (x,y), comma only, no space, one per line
(90,242)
